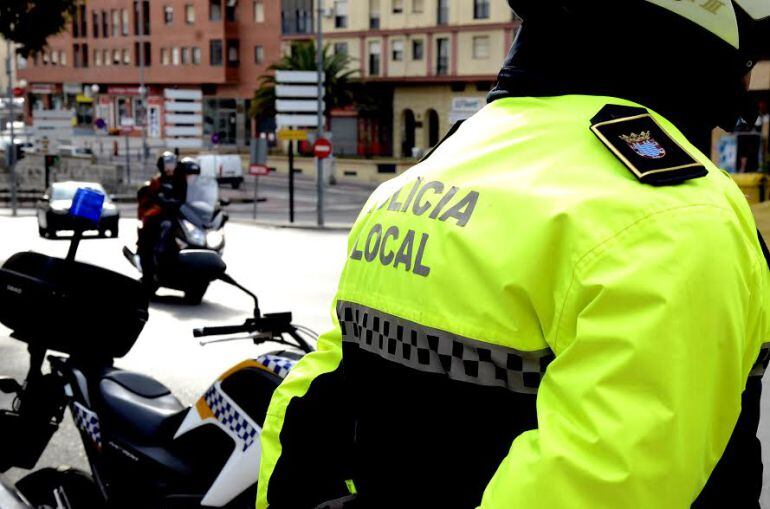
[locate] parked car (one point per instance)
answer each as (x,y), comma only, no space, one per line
(79,152)
(53,208)
(228,168)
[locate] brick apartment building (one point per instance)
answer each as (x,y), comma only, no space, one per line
(433,60)
(202,63)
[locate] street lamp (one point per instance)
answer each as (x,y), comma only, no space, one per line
(95,88)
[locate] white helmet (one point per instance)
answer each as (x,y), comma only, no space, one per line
(743,24)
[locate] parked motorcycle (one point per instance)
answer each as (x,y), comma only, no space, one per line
(191,257)
(145,449)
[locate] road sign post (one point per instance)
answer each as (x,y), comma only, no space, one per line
(257,170)
(319,69)
(297,100)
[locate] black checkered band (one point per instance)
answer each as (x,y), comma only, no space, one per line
(762,361)
(436,351)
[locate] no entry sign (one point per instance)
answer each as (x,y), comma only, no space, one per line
(322,148)
(258,170)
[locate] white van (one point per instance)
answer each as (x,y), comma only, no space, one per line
(227,167)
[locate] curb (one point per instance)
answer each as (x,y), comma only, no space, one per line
(334,227)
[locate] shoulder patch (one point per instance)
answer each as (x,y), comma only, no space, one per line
(647,150)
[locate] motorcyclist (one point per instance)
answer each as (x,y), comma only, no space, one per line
(156,201)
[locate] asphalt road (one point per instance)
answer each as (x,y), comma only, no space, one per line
(290,269)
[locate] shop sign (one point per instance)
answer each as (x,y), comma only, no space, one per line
(43,88)
(73,88)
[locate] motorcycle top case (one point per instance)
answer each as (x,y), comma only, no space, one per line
(71,307)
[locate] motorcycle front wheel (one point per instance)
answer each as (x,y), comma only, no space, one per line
(65,488)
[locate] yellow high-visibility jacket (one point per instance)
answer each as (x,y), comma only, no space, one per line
(522,323)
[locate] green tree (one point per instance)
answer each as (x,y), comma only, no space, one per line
(338,68)
(29,23)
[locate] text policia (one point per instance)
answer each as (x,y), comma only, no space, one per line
(431,200)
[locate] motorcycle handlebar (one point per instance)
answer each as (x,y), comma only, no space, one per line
(222,331)
(276,323)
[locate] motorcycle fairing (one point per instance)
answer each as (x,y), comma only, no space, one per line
(218,407)
(237,475)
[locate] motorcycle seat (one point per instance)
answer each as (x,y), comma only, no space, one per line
(138,406)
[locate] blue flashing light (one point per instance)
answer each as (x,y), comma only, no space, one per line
(87,204)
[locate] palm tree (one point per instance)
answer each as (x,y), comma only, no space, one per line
(338,68)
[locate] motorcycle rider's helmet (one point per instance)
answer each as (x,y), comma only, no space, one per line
(189,166)
(167,162)
(742,24)
(705,48)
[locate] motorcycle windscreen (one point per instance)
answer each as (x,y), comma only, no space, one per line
(202,195)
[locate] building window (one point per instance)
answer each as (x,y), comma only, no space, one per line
(147,54)
(340,13)
(117,57)
(374,58)
(480,9)
(196,55)
(106,55)
(189,14)
(230,6)
(124,19)
(168,14)
(481,46)
(164,58)
(105,24)
(442,16)
(142,16)
(83,20)
(54,57)
(97,57)
(215,10)
(215,52)
(398,51)
(95,23)
(259,55)
(233,52)
(398,6)
(297,17)
(341,48)
(62,59)
(126,57)
(374,14)
(185,56)
(259,12)
(115,22)
(75,49)
(175,56)
(442,56)
(418,6)
(418,49)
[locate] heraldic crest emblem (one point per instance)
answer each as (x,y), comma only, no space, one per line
(645,145)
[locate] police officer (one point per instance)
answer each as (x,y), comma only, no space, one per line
(565,304)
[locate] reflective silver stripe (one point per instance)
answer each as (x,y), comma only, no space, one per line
(762,361)
(435,351)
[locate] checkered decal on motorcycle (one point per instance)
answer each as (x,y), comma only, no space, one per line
(278,365)
(87,422)
(436,351)
(227,414)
